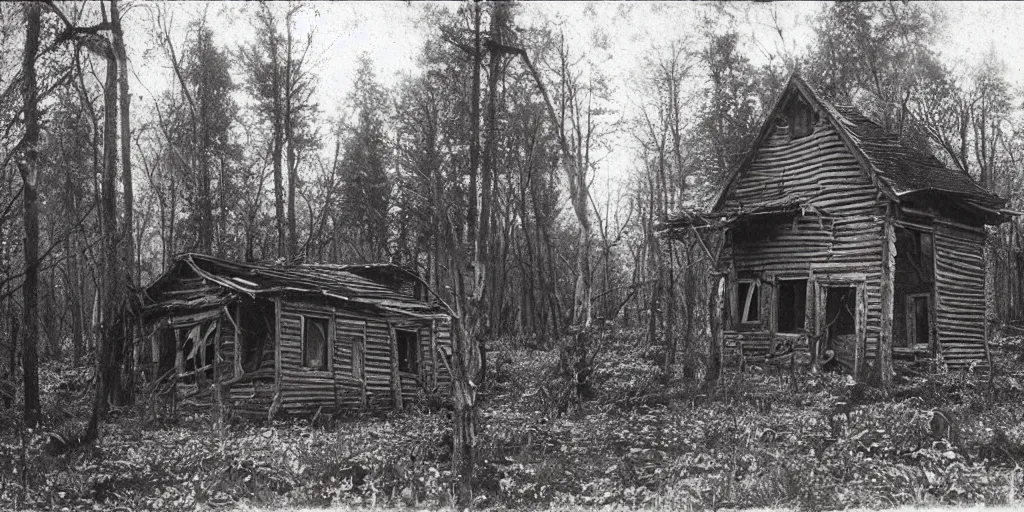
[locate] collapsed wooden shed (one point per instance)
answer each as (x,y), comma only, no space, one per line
(264,338)
(837,238)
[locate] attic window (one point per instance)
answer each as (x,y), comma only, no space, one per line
(802,119)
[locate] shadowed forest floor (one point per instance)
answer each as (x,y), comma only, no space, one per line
(765,438)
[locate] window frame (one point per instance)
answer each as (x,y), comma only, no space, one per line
(415,351)
(742,304)
(328,344)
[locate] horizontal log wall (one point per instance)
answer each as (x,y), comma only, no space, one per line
(378,364)
(304,391)
(444,343)
(348,333)
(960,294)
(820,171)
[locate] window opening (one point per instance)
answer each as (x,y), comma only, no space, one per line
(314,343)
(791,305)
(256,339)
(749,301)
(197,350)
(408,360)
(802,119)
(921,320)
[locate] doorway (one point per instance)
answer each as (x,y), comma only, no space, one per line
(918,320)
(840,327)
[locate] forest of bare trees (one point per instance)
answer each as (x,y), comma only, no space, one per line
(486,169)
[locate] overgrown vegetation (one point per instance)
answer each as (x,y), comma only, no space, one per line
(764,438)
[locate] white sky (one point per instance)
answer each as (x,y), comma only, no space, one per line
(391,35)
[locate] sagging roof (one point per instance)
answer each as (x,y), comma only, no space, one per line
(337,282)
(896,168)
(905,169)
(686,219)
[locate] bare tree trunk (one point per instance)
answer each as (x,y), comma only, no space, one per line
(474,129)
(77,298)
(111,344)
(127,229)
(289,135)
(482,261)
(126,147)
(465,365)
(29,176)
(276,123)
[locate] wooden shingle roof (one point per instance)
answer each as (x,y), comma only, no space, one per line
(907,170)
(896,168)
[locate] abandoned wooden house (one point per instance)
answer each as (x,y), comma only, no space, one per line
(299,339)
(835,238)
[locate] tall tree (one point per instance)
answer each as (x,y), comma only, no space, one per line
(366,186)
(28,166)
(278,76)
(124,105)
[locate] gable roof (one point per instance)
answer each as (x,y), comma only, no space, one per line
(897,169)
(337,282)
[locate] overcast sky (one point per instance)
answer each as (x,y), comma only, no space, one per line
(391,34)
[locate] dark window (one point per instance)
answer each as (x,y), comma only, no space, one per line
(408,355)
(256,339)
(792,305)
(840,307)
(924,249)
(802,119)
(921,320)
(167,346)
(197,350)
(748,302)
(314,343)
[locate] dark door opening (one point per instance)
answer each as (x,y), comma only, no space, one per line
(917,320)
(841,324)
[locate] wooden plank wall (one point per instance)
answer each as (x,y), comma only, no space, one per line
(960,293)
(820,171)
(443,335)
(347,379)
(305,391)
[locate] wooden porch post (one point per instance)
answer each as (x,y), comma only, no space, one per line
(883,355)
(433,354)
(396,379)
(359,355)
(717,338)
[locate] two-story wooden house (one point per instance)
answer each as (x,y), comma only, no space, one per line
(838,239)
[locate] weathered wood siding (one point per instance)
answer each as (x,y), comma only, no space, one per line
(349,337)
(443,330)
(352,381)
(303,390)
(960,293)
(820,171)
(378,363)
